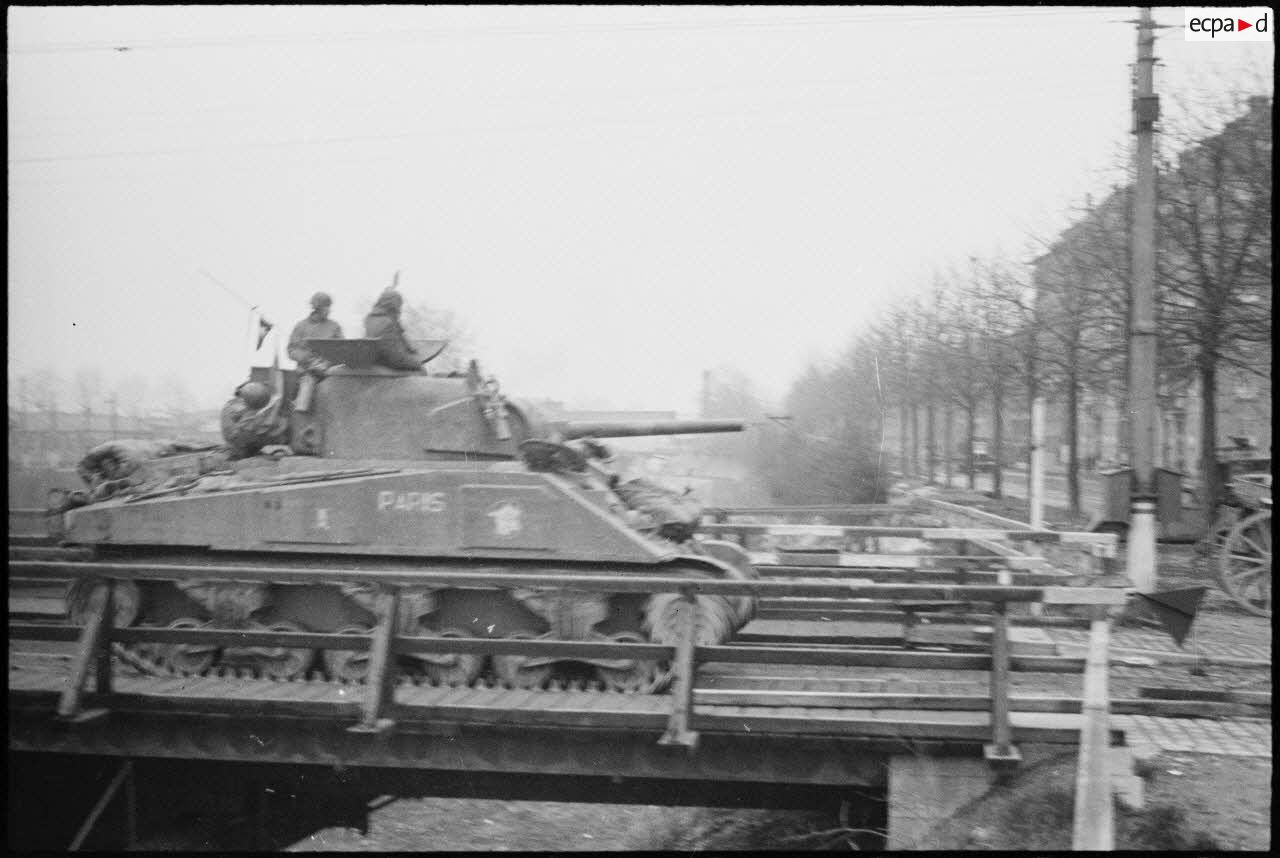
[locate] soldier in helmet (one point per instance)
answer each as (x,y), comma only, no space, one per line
(318,325)
(383,324)
(251,420)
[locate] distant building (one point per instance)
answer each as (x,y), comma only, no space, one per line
(55,439)
(1078,267)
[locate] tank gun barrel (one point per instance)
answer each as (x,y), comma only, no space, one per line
(628,429)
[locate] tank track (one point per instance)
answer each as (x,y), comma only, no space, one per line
(210,602)
(405,677)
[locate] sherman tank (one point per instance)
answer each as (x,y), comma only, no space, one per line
(366,467)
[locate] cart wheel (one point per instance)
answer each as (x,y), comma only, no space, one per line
(1244,563)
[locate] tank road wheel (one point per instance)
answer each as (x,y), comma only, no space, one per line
(523,671)
(1244,563)
(450,668)
(188,658)
(739,569)
(348,665)
(713,619)
(282,662)
(627,674)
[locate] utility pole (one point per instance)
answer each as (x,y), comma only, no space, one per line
(1142,325)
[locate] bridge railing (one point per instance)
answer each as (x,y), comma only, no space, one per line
(1086,553)
(987,534)
(97,633)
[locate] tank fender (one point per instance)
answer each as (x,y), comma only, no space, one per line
(728,561)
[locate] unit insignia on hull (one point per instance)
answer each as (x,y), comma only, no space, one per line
(506,519)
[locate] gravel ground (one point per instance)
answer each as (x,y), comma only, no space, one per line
(462,825)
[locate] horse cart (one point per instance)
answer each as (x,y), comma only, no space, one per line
(1238,541)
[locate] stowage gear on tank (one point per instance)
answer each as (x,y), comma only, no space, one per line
(674,516)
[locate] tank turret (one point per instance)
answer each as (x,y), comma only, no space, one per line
(361,410)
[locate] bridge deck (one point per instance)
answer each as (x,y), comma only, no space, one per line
(205,698)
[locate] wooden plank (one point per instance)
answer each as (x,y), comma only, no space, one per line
(995,548)
(935,505)
(935,696)
(970,569)
(1150,657)
(484,579)
(838,700)
(44,632)
(38,606)
(1085,596)
(832,656)
(1093,827)
(803,509)
(1256,698)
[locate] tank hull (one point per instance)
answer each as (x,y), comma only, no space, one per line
(450,512)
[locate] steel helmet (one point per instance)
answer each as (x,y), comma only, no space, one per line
(254,394)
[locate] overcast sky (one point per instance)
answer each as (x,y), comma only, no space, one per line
(613,199)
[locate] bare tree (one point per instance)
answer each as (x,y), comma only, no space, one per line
(175,402)
(896,345)
(87,384)
(996,354)
(828,450)
(133,392)
(1075,283)
(1214,270)
(960,333)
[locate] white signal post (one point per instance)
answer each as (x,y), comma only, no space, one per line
(1036,478)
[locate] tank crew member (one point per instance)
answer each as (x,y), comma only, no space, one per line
(249,422)
(383,324)
(318,325)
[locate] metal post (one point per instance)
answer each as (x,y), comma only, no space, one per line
(1000,678)
(1001,753)
(1142,327)
(1036,477)
(678,732)
(1093,827)
(380,687)
(94,648)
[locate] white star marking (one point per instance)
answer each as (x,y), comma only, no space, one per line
(506,519)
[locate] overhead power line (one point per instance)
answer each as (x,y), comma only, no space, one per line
(965,15)
(800,112)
